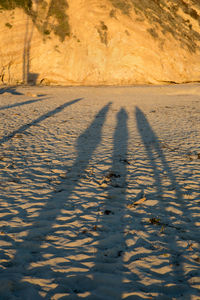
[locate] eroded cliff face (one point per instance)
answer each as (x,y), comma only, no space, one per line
(92,42)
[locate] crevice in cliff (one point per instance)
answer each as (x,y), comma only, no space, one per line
(168,82)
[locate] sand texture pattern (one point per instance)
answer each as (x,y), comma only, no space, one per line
(100,193)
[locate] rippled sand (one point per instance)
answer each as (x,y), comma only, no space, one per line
(100,192)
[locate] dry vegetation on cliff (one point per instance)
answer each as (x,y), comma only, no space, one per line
(47,16)
(109,42)
(163,16)
(174,17)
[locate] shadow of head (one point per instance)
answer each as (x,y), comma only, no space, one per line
(10,90)
(32,78)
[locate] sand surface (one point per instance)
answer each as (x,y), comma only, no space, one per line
(100,192)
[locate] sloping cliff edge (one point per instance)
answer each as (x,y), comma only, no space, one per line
(108,42)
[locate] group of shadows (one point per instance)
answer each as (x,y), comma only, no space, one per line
(75,282)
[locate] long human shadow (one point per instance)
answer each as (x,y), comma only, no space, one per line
(108,260)
(38,120)
(155,153)
(43,223)
(22,103)
(109,257)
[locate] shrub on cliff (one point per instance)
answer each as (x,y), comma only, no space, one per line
(11,4)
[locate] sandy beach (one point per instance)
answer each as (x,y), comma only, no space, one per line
(100,192)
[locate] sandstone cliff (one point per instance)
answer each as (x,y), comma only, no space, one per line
(92,42)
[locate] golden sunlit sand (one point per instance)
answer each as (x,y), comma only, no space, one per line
(100,192)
